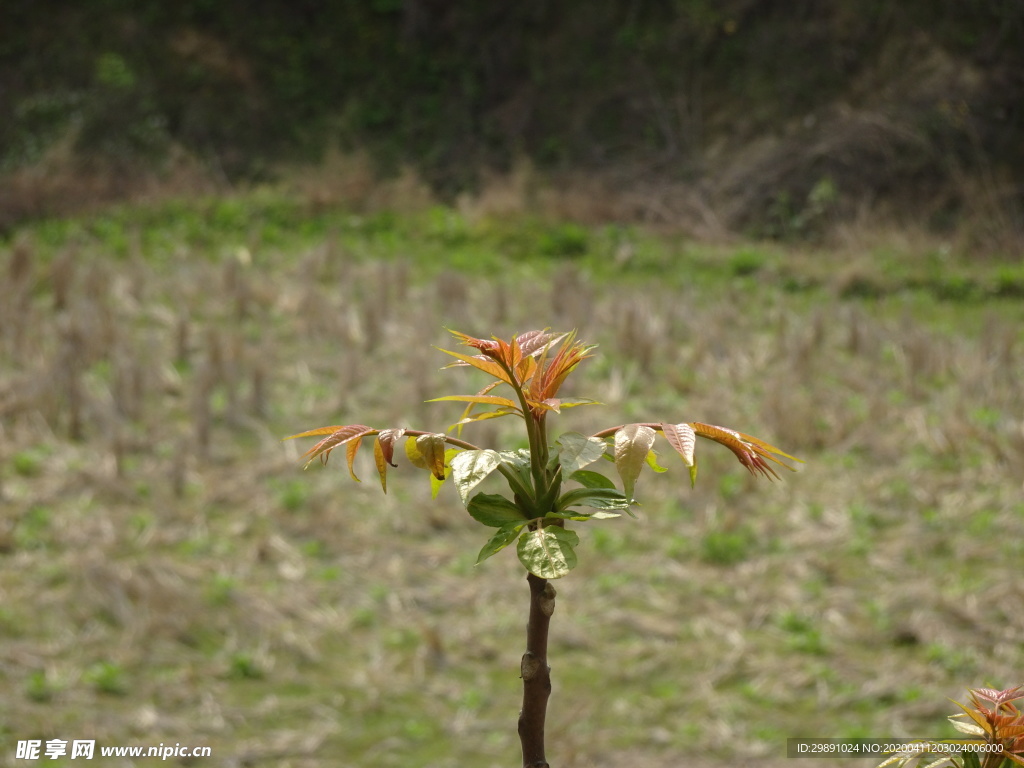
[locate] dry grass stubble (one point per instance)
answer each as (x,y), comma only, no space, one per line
(168,575)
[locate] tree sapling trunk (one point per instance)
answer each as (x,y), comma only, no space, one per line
(536,673)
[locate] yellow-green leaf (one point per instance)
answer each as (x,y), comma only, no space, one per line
(317,431)
(484,364)
(435,482)
(652,462)
(488,399)
(382,465)
(351,449)
(431,447)
(482,417)
(427,452)
(414,455)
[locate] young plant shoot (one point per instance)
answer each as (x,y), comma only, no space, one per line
(550,484)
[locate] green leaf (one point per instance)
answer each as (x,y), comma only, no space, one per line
(470,467)
(519,460)
(548,552)
(590,479)
(501,539)
(576,515)
(580,515)
(572,402)
(577,451)
(494,511)
(556,404)
(632,444)
(517,471)
(600,498)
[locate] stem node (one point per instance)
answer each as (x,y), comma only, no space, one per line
(529,667)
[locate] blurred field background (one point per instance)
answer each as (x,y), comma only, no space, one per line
(171,574)
(216,230)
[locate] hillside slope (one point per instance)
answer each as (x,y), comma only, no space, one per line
(767,117)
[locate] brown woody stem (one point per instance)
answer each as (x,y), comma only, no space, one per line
(536,673)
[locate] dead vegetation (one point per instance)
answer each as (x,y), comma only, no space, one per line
(168,574)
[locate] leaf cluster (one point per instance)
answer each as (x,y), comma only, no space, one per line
(550,483)
(993,722)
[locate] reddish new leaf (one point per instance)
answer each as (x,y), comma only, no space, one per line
(552,373)
(750,451)
(535,342)
(999,698)
(496,349)
(682,438)
(335,436)
(767,449)
(387,439)
(518,355)
(383,453)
